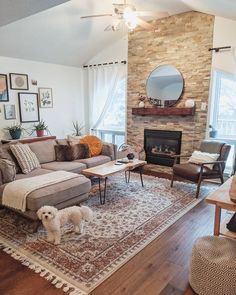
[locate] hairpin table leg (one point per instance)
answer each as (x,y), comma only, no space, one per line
(141,175)
(102,196)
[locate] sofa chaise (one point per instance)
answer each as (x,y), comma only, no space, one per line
(60,195)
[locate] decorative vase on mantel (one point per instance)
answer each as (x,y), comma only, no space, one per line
(141,104)
(141,101)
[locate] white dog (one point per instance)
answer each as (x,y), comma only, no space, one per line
(53,219)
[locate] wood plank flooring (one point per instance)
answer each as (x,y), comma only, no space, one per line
(161,268)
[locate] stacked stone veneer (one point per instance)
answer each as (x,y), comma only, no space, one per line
(182,40)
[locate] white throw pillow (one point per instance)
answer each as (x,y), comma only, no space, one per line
(201,157)
(25,157)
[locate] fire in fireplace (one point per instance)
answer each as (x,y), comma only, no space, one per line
(161,145)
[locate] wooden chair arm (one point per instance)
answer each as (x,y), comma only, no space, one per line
(214,162)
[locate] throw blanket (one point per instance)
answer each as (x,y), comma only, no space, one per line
(16,192)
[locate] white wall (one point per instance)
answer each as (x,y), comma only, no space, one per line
(117,51)
(66,84)
(224,35)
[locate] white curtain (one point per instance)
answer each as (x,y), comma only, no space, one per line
(101,84)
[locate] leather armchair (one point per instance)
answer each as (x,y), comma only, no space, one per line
(198,172)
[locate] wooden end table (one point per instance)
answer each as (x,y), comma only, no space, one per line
(110,168)
(221,199)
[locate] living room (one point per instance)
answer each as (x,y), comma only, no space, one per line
(95,73)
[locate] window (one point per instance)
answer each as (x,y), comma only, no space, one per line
(224,105)
(223,111)
(112,126)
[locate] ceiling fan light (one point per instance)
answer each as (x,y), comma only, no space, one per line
(131,25)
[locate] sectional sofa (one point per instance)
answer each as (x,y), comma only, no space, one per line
(63,194)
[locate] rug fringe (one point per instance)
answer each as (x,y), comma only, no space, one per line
(42,271)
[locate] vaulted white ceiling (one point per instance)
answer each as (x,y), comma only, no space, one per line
(58,35)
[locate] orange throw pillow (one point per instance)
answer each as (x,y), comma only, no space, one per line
(95,144)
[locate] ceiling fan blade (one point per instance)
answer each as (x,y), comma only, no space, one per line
(97,15)
(159,14)
(143,24)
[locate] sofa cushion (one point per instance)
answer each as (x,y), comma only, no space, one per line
(56,194)
(95,144)
(67,166)
(44,150)
(6,153)
(25,157)
(95,161)
(35,172)
(7,171)
(62,141)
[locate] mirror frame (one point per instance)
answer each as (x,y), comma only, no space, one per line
(177,100)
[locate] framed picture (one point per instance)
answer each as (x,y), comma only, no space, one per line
(3,88)
(28,106)
(19,81)
(10,111)
(45,98)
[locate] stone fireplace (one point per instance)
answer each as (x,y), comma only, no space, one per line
(183,41)
(161,145)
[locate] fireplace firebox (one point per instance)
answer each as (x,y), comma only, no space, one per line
(161,145)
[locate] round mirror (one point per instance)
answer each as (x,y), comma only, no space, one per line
(164,86)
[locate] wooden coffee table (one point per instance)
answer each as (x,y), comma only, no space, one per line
(221,199)
(112,167)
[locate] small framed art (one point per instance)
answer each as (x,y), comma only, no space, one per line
(3,88)
(45,97)
(10,111)
(19,81)
(28,107)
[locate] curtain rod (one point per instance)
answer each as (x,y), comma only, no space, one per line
(106,63)
(217,49)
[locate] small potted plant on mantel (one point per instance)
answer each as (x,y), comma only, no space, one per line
(40,128)
(15,130)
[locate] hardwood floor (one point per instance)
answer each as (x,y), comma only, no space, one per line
(161,268)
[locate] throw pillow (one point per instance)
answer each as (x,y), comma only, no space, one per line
(61,151)
(201,157)
(6,153)
(72,152)
(107,150)
(95,144)
(80,151)
(7,171)
(25,157)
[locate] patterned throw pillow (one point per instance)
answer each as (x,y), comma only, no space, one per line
(95,144)
(25,157)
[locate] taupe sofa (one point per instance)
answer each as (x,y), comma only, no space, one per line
(63,194)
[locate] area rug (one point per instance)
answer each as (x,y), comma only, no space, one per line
(131,218)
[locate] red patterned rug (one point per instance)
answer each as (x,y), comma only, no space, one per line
(131,218)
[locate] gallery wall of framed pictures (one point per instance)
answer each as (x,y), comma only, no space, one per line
(28,104)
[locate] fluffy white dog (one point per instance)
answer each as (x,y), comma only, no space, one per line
(53,219)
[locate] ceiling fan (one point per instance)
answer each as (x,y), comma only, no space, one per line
(127,14)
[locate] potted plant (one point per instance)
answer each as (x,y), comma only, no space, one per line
(77,128)
(15,130)
(40,128)
(213,131)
